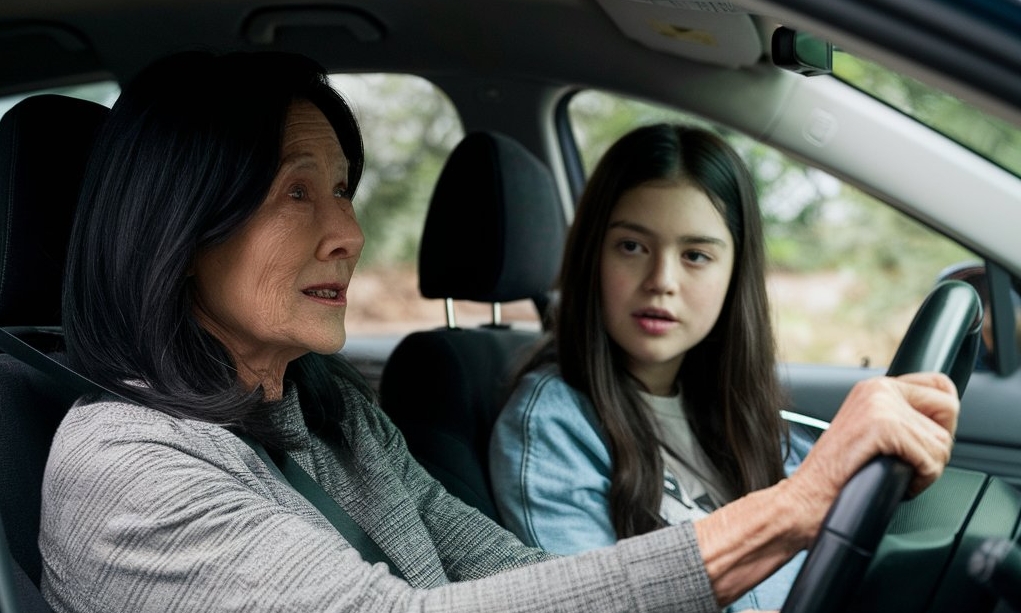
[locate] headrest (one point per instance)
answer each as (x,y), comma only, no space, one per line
(495,228)
(45,142)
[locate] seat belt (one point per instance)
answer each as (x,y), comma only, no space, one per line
(14,346)
(286,469)
(289,471)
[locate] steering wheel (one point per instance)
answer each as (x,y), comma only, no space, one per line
(944,337)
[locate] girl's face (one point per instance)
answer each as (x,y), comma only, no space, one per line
(667,258)
(277,288)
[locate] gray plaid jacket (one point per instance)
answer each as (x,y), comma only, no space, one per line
(143,512)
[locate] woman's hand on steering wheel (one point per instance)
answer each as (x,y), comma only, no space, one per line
(911,416)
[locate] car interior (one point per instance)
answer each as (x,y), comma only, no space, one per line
(38,224)
(444,387)
(498,213)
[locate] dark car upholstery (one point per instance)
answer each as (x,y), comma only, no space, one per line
(493,234)
(45,141)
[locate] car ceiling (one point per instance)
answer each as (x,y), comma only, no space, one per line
(498,57)
(412,36)
(521,51)
(553,38)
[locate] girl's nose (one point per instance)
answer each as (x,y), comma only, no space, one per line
(662,277)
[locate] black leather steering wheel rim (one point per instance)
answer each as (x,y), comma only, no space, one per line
(944,337)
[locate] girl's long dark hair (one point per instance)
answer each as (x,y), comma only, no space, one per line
(731,391)
(187,155)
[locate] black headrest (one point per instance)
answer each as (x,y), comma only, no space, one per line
(495,229)
(45,141)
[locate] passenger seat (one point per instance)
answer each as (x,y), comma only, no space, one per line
(494,233)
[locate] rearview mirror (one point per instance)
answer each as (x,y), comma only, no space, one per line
(801,53)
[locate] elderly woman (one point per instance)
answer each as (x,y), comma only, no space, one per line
(210,270)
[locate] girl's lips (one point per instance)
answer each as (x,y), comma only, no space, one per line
(654,321)
(654,313)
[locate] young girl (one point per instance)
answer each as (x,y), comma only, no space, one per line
(656,399)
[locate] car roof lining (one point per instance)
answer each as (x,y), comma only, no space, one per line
(413,40)
(432,38)
(50,55)
(358,39)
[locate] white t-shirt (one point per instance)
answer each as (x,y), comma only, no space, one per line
(692,486)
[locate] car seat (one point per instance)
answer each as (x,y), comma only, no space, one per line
(494,233)
(44,145)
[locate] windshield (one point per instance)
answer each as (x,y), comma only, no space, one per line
(988,136)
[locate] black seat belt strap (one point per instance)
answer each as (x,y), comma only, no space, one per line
(17,348)
(289,471)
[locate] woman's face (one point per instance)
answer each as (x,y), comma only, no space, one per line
(666,263)
(277,288)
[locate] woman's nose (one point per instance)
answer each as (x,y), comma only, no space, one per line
(341,235)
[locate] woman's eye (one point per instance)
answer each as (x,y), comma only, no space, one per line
(297,192)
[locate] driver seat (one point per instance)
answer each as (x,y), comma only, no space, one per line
(45,142)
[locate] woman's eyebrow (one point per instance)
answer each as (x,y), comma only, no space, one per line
(299,160)
(303,160)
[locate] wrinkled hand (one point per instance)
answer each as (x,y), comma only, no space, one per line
(912,416)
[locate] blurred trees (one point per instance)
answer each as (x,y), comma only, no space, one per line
(868,265)
(409,128)
(988,135)
(863,266)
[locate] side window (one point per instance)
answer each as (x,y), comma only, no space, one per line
(845,271)
(405,148)
(103,92)
(409,127)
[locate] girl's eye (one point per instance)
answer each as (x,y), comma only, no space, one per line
(697,257)
(629,246)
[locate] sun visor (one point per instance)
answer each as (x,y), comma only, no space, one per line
(713,32)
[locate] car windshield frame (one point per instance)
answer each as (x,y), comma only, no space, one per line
(988,136)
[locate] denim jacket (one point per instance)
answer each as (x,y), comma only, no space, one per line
(550,468)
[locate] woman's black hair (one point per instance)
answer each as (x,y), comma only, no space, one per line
(187,155)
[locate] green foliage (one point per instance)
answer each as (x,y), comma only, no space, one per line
(409,127)
(848,270)
(865,266)
(599,119)
(988,136)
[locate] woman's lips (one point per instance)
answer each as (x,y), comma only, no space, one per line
(331,294)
